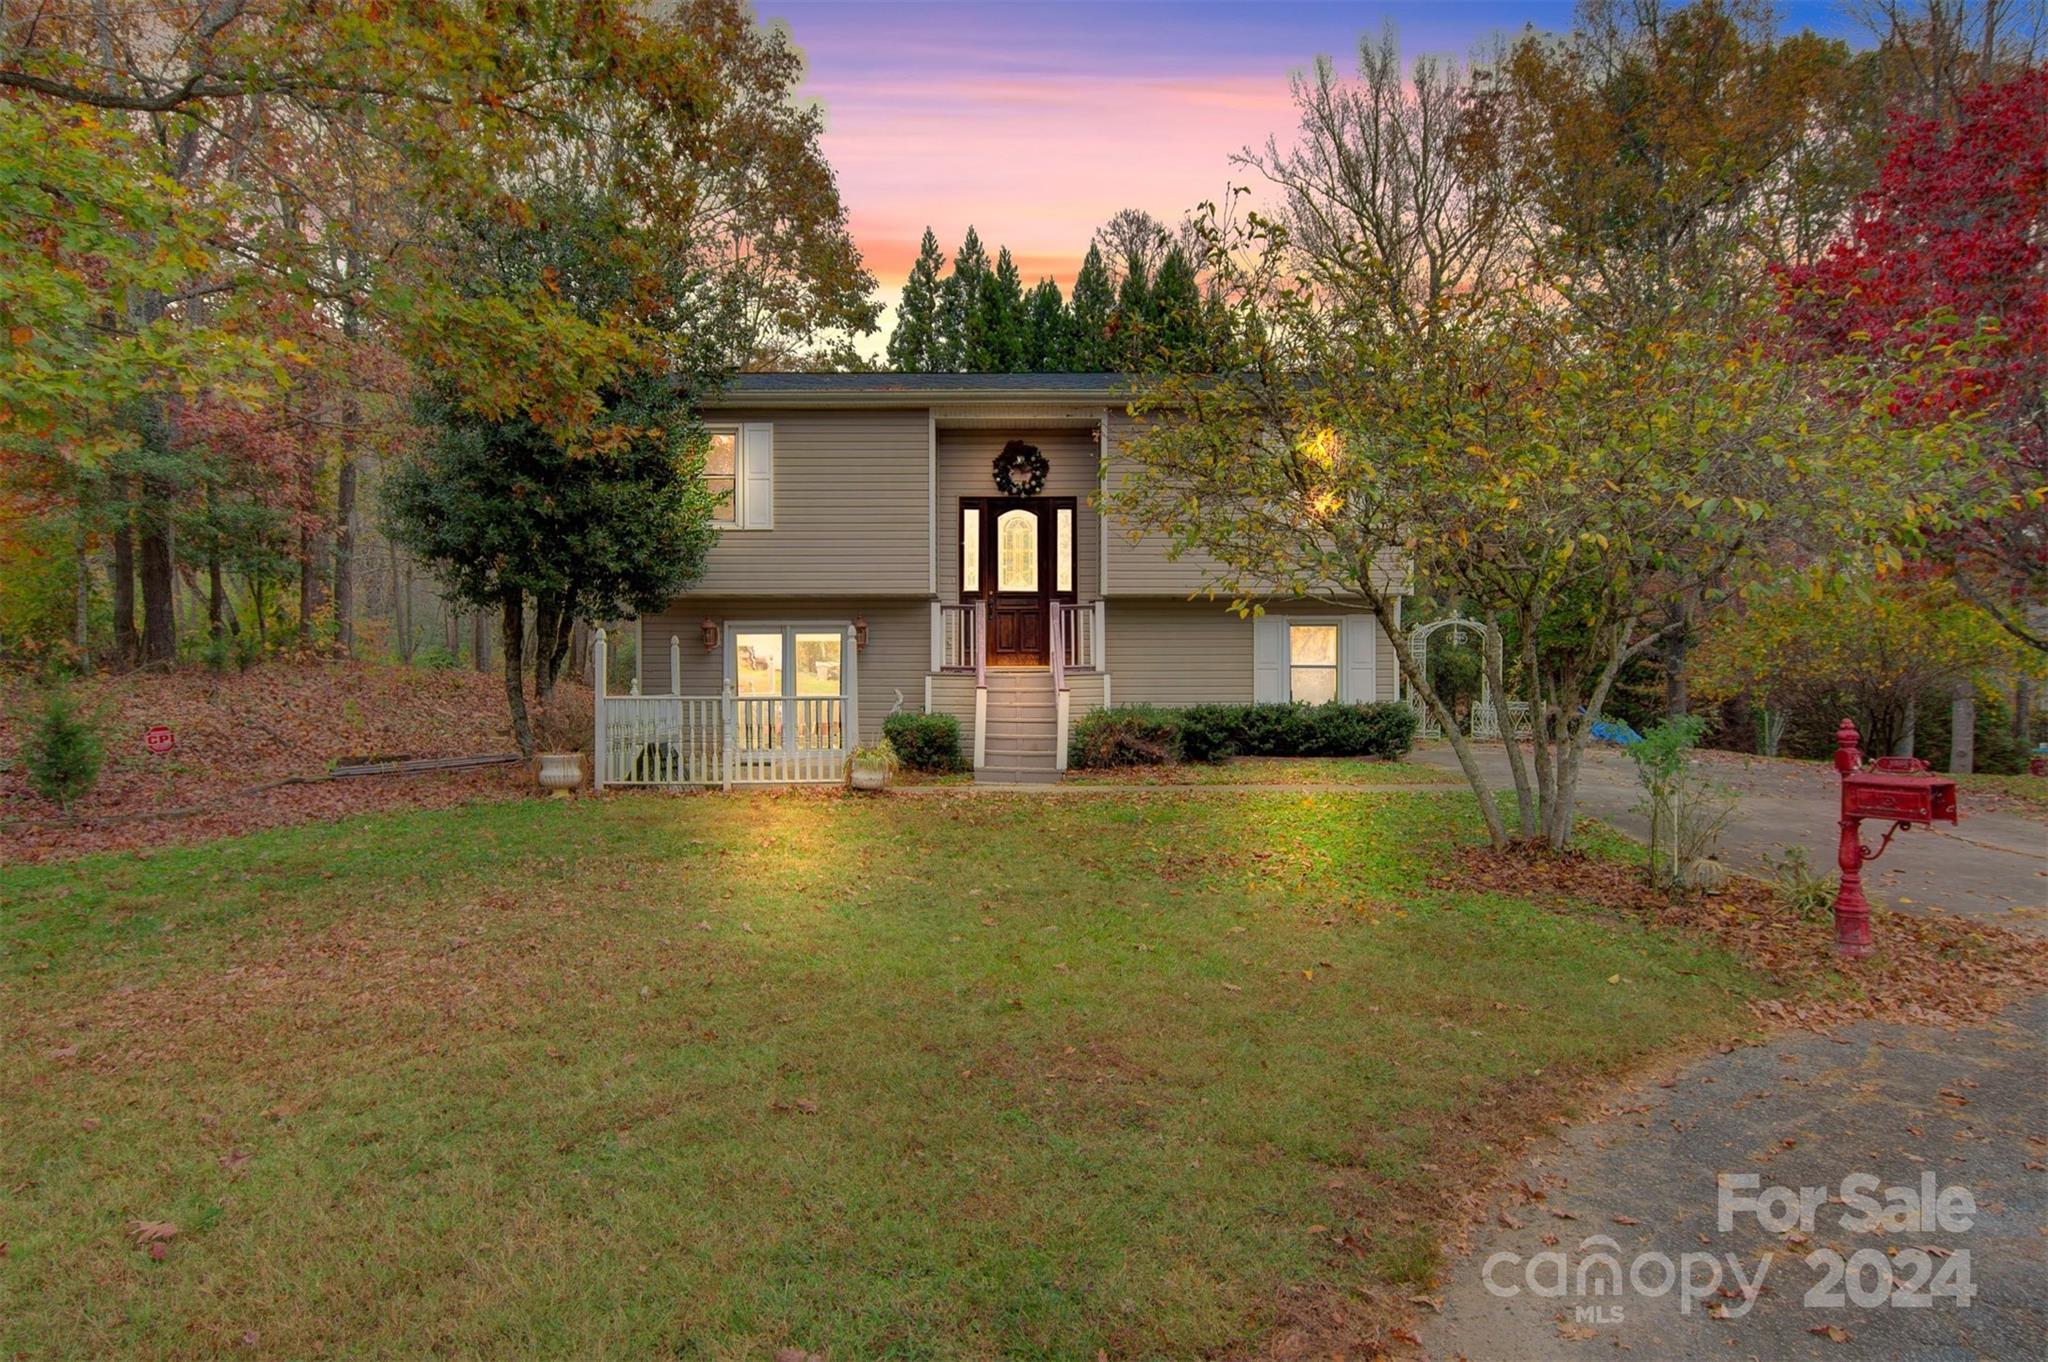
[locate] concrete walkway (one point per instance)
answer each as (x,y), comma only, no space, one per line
(1906,1105)
(1991,865)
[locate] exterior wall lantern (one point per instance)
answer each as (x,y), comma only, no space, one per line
(1900,790)
(710,627)
(860,633)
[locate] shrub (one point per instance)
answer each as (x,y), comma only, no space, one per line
(1129,735)
(1380,730)
(562,725)
(1211,732)
(925,742)
(64,748)
(435,657)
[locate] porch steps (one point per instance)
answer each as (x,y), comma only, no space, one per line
(1019,747)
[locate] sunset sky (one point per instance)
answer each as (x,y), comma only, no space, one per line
(1036,121)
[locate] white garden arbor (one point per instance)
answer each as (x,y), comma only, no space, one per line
(1488,720)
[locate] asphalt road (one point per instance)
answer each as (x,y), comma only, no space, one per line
(1991,865)
(1907,1106)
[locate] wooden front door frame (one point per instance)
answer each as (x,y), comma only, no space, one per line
(1007,611)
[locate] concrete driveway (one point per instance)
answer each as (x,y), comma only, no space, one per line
(1992,866)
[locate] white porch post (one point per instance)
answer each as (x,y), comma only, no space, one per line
(675,665)
(938,636)
(1061,706)
(850,689)
(1101,635)
(598,749)
(728,713)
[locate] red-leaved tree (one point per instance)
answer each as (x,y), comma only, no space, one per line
(1951,248)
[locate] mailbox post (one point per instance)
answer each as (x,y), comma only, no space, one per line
(1901,790)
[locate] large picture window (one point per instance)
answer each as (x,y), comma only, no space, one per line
(782,675)
(1312,663)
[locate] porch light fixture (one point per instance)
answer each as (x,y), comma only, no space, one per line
(710,627)
(860,633)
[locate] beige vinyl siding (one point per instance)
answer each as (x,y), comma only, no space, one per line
(1194,652)
(852,508)
(1143,567)
(953,693)
(966,459)
(898,653)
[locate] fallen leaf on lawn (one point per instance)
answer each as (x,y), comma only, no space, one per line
(1562,1215)
(1833,1333)
(1625,1220)
(1232,988)
(1576,1333)
(1614,978)
(151,1231)
(234,1164)
(1508,1222)
(1435,1303)
(1408,1336)
(796,1355)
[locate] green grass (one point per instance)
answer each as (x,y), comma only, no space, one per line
(1274,771)
(951,1076)
(2028,794)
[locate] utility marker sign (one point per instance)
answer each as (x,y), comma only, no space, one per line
(159,739)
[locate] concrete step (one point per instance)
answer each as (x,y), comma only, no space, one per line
(1009,729)
(993,775)
(996,754)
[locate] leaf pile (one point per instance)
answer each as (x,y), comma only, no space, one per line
(1938,971)
(247,730)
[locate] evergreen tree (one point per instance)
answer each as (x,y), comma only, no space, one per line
(1130,322)
(1089,317)
(957,341)
(913,345)
(1174,308)
(1049,345)
(1002,318)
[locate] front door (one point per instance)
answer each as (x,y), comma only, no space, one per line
(1012,550)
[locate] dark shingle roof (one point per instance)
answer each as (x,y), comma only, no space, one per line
(912,388)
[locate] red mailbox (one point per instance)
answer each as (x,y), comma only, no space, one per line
(1900,790)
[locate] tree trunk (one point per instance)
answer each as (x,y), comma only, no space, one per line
(479,643)
(1962,730)
(127,643)
(1677,694)
(512,625)
(345,542)
(216,596)
(306,602)
(1902,746)
(81,594)
(159,614)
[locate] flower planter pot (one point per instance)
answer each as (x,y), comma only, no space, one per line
(868,776)
(559,772)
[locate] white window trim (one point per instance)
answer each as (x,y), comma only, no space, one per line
(739,472)
(1288,664)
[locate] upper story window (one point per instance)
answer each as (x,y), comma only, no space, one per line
(722,475)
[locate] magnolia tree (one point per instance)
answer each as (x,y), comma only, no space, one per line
(1400,393)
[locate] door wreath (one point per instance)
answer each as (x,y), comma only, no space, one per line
(1020,470)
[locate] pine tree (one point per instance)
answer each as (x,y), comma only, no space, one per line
(1174,309)
(1002,318)
(1130,323)
(957,340)
(913,345)
(1089,317)
(1049,345)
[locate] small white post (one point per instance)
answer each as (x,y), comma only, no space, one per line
(598,752)
(980,727)
(675,665)
(938,637)
(1101,658)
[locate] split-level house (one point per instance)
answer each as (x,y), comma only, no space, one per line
(873,556)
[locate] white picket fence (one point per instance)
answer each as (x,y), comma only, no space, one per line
(719,740)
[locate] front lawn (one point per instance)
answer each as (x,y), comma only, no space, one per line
(951,1076)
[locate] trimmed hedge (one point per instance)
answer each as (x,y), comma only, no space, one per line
(1145,735)
(925,742)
